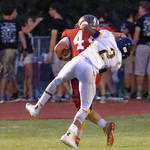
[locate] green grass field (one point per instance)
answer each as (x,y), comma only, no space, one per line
(132,133)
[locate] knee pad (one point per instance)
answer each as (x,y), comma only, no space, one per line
(81,115)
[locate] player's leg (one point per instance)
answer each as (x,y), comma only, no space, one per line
(108,127)
(66,73)
(76,100)
(47,94)
(87,90)
(93,116)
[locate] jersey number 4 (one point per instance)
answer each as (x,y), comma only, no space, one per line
(78,40)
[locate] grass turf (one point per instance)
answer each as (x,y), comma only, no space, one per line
(132,133)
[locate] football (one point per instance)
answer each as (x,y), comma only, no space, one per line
(66,54)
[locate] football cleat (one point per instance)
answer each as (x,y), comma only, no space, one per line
(108,130)
(32,109)
(70,139)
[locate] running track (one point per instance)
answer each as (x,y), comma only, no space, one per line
(16,110)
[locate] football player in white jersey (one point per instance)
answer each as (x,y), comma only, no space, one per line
(104,53)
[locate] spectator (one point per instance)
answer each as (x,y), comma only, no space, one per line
(27,27)
(128,28)
(58,24)
(142,42)
(10,33)
(102,15)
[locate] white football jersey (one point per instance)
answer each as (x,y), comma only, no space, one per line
(103,52)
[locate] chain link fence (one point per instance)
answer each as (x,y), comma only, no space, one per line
(42,72)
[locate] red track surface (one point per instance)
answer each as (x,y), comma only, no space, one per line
(16,110)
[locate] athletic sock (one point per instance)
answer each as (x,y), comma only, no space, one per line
(73,128)
(43,99)
(102,123)
(79,133)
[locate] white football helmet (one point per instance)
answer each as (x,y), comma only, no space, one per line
(90,19)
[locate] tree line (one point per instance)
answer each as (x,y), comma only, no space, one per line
(72,9)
